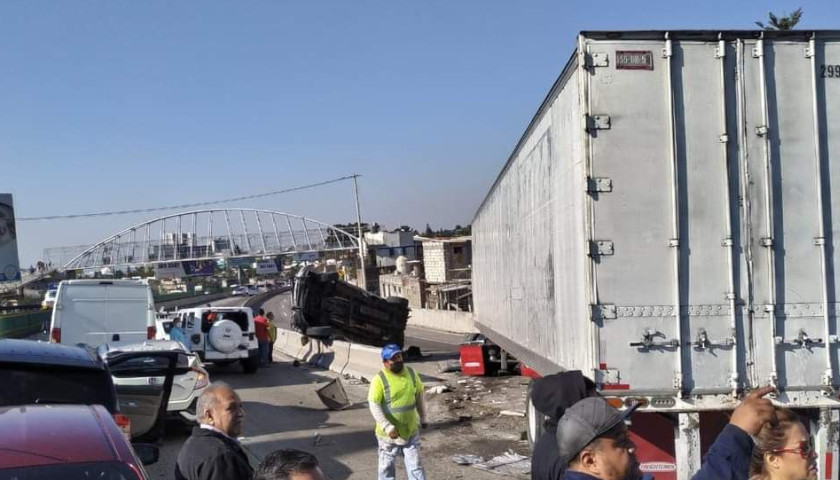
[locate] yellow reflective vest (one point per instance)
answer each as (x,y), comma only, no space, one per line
(397,394)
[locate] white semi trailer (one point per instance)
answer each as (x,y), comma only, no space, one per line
(666,224)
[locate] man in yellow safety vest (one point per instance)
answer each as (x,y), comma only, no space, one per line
(396,403)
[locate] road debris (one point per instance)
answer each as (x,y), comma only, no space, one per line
(512,413)
(334,396)
(438,390)
(510,463)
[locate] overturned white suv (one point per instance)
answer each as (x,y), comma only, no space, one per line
(221,335)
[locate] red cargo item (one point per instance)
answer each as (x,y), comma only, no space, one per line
(527,371)
(472,359)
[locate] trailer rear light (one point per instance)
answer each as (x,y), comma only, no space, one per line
(124,423)
(196,338)
(55,335)
(641,401)
(662,402)
(151,332)
(615,402)
(201,379)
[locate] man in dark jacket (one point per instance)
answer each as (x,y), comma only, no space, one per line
(593,441)
(212,452)
(551,396)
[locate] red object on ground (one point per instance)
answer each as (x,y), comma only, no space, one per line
(261,328)
(526,371)
(472,359)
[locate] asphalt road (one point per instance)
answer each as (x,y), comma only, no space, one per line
(282,410)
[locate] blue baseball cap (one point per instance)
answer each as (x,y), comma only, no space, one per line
(388,351)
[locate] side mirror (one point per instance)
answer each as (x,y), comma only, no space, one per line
(149,454)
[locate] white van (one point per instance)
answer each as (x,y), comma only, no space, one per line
(96,312)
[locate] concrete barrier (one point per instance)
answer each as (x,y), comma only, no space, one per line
(446,320)
(358,361)
(23,325)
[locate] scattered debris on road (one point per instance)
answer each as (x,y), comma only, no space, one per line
(334,396)
(438,390)
(510,463)
(511,413)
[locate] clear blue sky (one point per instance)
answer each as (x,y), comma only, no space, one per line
(109,105)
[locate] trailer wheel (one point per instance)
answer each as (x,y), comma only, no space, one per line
(535,419)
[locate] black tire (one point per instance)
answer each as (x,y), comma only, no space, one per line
(251,364)
(535,420)
(319,332)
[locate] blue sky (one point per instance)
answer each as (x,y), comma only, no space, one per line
(110,105)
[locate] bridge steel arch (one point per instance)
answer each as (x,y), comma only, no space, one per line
(214,234)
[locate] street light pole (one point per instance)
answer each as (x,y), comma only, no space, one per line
(362,276)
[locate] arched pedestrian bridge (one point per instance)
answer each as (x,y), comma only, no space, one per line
(214,234)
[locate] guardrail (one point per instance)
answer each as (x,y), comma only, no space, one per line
(12,309)
(23,324)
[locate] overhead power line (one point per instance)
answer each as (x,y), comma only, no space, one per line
(188,205)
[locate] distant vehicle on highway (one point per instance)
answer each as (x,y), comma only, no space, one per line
(96,312)
(68,441)
(222,335)
(241,292)
(186,387)
(49,298)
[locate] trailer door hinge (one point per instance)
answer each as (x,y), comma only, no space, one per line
(599,185)
(597,60)
(762,130)
(598,122)
(809,52)
(601,248)
(604,312)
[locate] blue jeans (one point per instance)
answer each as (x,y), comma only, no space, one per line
(265,353)
(388,453)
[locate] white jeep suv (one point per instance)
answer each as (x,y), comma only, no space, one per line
(221,335)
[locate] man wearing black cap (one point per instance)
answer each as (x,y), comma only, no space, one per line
(552,395)
(593,441)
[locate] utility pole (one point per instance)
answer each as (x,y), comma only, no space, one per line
(362,275)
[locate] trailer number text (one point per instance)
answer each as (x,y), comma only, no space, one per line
(830,71)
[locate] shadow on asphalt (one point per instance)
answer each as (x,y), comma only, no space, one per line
(263,378)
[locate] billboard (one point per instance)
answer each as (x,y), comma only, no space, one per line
(185,269)
(307,256)
(266,267)
(9,265)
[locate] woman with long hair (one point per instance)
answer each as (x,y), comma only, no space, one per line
(783,450)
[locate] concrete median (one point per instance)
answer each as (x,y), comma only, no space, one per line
(358,361)
(445,320)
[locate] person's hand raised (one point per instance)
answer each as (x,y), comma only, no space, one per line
(754,411)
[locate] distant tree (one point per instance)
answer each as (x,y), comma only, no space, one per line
(785,22)
(428,231)
(406,228)
(375,228)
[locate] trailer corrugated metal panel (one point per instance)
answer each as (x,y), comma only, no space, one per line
(629,234)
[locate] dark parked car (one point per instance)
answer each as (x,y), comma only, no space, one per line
(68,442)
(52,374)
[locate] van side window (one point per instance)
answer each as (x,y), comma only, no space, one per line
(190,320)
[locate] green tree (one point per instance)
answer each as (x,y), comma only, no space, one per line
(785,22)
(429,231)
